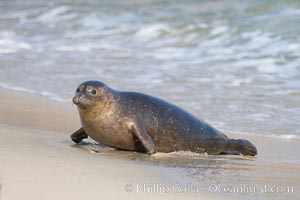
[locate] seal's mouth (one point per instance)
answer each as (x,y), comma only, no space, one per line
(76,99)
(82,102)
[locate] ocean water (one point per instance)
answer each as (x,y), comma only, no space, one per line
(235,64)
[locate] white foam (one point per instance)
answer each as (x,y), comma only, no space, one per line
(82,48)
(287,137)
(253,34)
(219,30)
(9,43)
(259,117)
(202,25)
(293,47)
(151,31)
(91,21)
(268,66)
(16,88)
(56,14)
(187,153)
(223,77)
(281,137)
(258,39)
(238,82)
(169,53)
(286,92)
(87,47)
(30,91)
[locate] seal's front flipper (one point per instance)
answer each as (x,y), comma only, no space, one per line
(240,146)
(79,135)
(144,138)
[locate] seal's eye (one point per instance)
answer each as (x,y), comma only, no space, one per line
(77,90)
(93,92)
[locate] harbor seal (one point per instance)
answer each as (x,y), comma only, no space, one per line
(143,123)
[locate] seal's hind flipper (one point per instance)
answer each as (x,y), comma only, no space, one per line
(79,135)
(240,146)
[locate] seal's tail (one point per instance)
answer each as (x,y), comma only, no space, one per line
(240,146)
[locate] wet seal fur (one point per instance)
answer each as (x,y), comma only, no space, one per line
(143,123)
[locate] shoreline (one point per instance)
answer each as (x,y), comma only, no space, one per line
(39,159)
(35,133)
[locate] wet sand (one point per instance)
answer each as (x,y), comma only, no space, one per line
(38,160)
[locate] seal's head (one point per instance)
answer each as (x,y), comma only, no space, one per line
(91,93)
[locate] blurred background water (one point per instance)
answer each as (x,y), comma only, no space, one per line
(235,64)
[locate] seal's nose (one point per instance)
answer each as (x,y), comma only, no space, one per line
(76,99)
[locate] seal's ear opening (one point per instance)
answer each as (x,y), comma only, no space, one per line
(102,91)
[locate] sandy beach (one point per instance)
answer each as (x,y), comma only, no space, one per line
(38,160)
